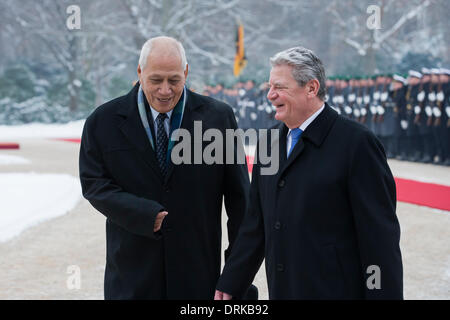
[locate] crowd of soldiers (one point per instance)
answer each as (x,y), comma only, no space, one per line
(249,103)
(410,114)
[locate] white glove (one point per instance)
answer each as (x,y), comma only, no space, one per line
(417,110)
(420,96)
(376,95)
(348,110)
(431,96)
(436,112)
(404,124)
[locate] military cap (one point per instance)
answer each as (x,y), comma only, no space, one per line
(415,74)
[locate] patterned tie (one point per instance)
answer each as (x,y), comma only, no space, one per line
(161,143)
(295,135)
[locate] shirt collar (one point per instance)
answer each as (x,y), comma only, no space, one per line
(308,121)
(156,113)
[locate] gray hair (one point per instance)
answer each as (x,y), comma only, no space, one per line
(147,48)
(306,67)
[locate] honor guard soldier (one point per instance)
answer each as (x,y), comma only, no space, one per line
(357,104)
(371,106)
(346,89)
(351,98)
(400,125)
(231,97)
(378,109)
(329,83)
(264,107)
(413,142)
(385,117)
(345,92)
(365,100)
(424,116)
(440,118)
(243,104)
(249,101)
(446,117)
(338,98)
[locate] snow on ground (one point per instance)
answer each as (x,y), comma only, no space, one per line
(30,198)
(41,130)
(6,159)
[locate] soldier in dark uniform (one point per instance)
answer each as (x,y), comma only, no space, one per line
(398,98)
(248,101)
(329,83)
(371,107)
(268,110)
(446,117)
(338,99)
(347,90)
(357,104)
(351,98)
(413,142)
(218,90)
(424,117)
(376,119)
(242,104)
(385,116)
(364,95)
(230,96)
(440,117)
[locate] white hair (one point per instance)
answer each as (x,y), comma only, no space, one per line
(306,66)
(147,48)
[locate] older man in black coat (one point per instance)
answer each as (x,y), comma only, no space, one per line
(326,222)
(163,226)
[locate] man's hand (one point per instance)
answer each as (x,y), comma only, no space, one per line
(222,296)
(159,220)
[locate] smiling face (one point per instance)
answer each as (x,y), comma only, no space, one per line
(289,99)
(163,78)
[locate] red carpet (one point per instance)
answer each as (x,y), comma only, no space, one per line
(9,145)
(424,194)
(411,191)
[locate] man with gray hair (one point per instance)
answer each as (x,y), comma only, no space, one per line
(326,222)
(163,226)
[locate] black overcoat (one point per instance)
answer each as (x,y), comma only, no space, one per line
(120,177)
(324,222)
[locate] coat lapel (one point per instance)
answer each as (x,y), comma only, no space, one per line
(315,133)
(133,129)
(298,149)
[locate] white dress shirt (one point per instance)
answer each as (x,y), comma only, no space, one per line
(302,127)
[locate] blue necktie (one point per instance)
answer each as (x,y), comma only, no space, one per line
(161,143)
(295,136)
